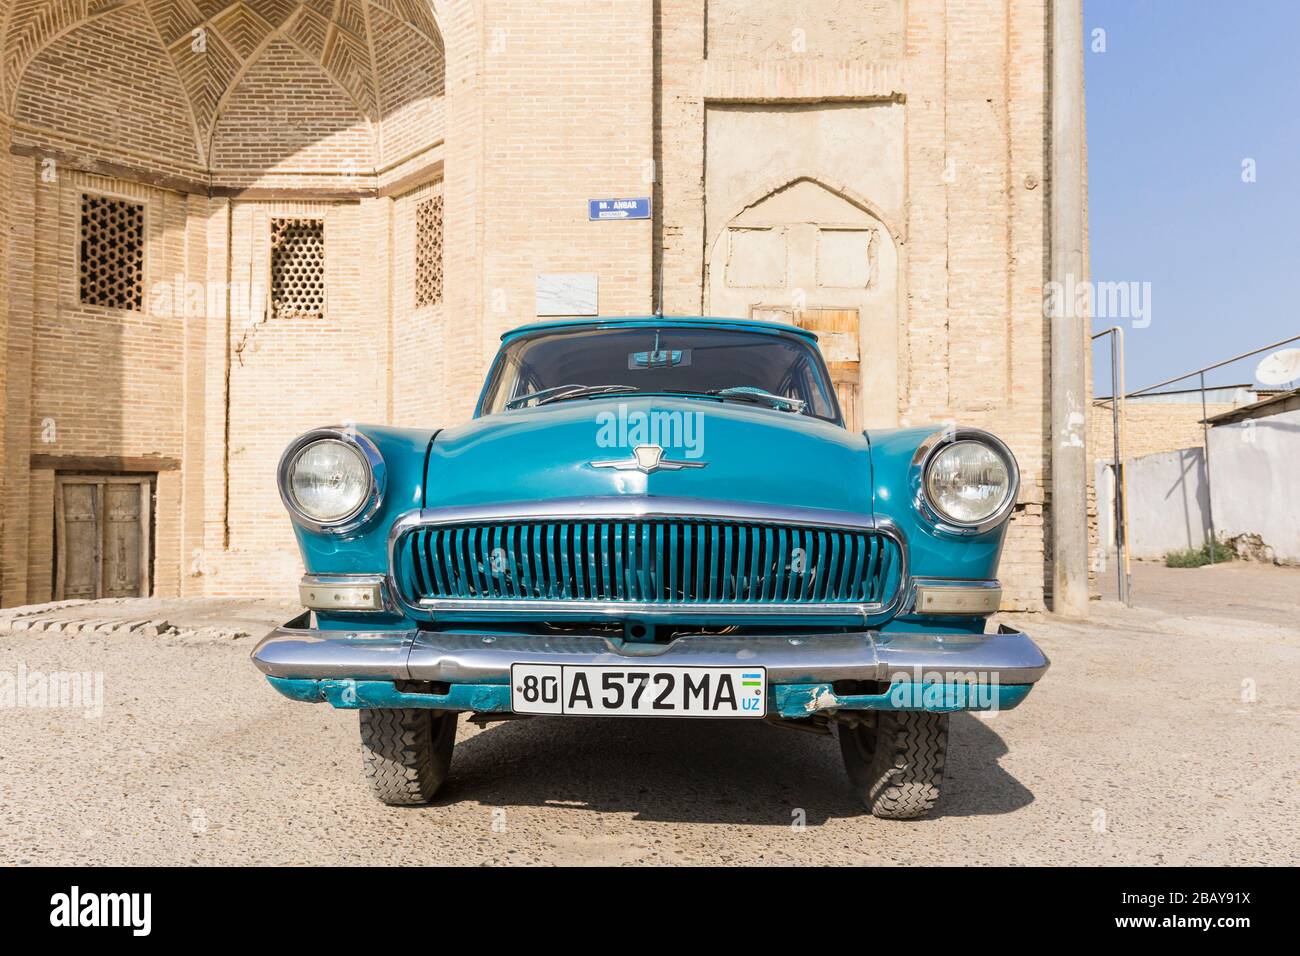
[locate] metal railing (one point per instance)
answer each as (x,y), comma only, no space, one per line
(1123,571)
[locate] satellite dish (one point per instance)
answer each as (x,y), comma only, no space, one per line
(1279,368)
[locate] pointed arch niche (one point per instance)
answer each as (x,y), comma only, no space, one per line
(809,255)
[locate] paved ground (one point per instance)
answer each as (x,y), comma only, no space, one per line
(1165,734)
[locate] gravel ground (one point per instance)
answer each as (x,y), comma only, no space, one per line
(1142,745)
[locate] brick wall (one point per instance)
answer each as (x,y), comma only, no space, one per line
(287,121)
(6,189)
(21,206)
(412,80)
(419,358)
(516,113)
(100,381)
(287,375)
(109,379)
(970,226)
(1150,427)
(123,105)
(142,123)
(584,132)
(790,29)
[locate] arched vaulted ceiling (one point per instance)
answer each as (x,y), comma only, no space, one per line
(211,45)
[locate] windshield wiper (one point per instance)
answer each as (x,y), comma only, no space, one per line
(560,392)
(750,393)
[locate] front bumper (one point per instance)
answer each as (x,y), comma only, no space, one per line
(470,670)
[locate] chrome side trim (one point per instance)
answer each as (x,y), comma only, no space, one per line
(370,502)
(641,507)
(634,507)
(925,453)
(294,651)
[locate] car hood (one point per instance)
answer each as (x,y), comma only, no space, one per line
(749,454)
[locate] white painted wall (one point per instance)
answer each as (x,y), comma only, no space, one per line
(1166,503)
(1255,467)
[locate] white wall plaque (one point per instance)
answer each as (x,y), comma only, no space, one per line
(566,293)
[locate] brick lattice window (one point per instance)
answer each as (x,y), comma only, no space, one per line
(298,268)
(428,252)
(112,253)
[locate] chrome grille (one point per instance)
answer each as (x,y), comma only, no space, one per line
(663,562)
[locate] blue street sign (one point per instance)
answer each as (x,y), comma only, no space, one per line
(618,208)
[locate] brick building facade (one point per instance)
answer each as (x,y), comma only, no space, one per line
(225,223)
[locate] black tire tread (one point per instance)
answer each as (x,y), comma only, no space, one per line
(406,753)
(901,777)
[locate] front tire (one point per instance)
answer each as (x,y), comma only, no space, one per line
(406,752)
(895,763)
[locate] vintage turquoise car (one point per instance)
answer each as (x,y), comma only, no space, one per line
(654,517)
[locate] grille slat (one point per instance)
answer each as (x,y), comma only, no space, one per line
(662,562)
(832,567)
(781,566)
(885,563)
(644,580)
(418,566)
(441,558)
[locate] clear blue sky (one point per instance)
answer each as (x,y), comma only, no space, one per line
(1185,90)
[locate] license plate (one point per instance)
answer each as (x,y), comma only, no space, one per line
(629,691)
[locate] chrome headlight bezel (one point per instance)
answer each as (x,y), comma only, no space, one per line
(925,455)
(371,500)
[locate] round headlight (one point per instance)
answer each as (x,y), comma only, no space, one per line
(329,480)
(968,482)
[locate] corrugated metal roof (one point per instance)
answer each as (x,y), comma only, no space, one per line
(1252,410)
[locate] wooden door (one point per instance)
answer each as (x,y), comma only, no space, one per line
(837,335)
(102,528)
(77,509)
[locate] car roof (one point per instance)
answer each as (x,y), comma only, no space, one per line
(651,321)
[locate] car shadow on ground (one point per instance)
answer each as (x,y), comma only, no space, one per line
(703,771)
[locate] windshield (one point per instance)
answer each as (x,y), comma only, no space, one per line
(622,361)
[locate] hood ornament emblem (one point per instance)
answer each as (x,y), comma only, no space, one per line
(647,459)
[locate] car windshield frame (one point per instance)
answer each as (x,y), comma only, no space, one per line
(816,373)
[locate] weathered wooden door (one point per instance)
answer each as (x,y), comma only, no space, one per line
(837,335)
(77,510)
(102,525)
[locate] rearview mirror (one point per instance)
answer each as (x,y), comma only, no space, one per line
(659,358)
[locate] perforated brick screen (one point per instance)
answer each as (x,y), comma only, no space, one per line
(112,252)
(428,252)
(298,268)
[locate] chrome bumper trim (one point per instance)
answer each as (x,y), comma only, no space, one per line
(535,609)
(294,651)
